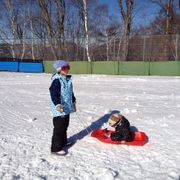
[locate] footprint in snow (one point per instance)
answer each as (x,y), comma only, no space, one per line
(32,119)
(103,173)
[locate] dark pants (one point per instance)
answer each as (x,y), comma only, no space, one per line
(59,138)
(123,135)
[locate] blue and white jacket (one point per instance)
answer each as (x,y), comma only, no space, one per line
(61,92)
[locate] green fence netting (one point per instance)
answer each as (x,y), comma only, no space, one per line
(165,68)
(134,68)
(80,67)
(108,68)
(121,68)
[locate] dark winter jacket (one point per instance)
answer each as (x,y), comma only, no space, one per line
(122,131)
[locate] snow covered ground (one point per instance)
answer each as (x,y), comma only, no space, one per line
(151,104)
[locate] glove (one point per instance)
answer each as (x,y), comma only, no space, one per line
(59,108)
(74,107)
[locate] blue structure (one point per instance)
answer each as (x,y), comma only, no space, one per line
(9,66)
(29,67)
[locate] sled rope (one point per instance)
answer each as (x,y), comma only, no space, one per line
(83,123)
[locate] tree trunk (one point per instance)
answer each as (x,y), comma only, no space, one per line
(126,14)
(32,33)
(176,47)
(32,40)
(86,29)
(12,25)
(107,46)
(46,17)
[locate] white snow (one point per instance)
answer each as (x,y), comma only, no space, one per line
(151,104)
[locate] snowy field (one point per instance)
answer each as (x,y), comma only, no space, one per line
(151,104)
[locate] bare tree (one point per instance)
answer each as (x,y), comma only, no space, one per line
(30,18)
(9,34)
(126,10)
(60,5)
(47,21)
(15,28)
(74,33)
(53,21)
(86,28)
(21,27)
(169,18)
(168,14)
(32,36)
(99,25)
(83,7)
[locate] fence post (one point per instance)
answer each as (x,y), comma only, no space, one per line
(118,68)
(176,47)
(144,48)
(91,67)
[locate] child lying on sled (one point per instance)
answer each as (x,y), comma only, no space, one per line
(121,127)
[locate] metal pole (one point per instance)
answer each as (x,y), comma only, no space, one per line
(144,48)
(177,40)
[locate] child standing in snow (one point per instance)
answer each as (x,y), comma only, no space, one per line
(62,104)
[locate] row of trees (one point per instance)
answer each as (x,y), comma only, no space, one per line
(82,29)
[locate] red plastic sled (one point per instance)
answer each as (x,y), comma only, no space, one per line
(139,138)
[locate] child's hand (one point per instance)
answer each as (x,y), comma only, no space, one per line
(74,107)
(59,108)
